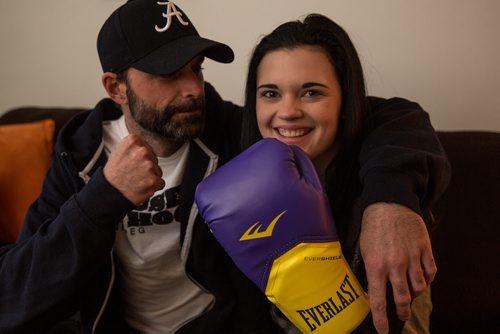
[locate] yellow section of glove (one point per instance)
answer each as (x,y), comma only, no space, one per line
(314,287)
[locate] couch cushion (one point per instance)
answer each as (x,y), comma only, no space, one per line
(25,155)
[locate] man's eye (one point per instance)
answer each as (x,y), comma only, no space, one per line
(197,69)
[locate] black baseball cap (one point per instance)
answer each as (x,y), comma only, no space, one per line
(155,37)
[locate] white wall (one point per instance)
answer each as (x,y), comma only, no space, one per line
(445,54)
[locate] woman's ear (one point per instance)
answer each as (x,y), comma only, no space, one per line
(117,90)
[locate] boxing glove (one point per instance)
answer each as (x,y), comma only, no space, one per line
(268,210)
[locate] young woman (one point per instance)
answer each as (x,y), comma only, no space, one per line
(305,87)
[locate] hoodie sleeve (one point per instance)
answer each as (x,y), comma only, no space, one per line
(401,158)
(66,238)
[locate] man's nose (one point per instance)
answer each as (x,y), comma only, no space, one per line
(191,83)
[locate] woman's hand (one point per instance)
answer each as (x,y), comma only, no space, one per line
(396,247)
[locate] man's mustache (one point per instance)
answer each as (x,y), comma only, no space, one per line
(194,104)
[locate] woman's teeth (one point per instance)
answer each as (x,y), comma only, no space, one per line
(291,133)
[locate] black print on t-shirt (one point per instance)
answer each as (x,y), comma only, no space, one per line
(158,210)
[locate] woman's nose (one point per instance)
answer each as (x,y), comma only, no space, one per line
(290,108)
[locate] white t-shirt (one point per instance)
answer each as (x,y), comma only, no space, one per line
(158,295)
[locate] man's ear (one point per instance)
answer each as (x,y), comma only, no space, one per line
(117,90)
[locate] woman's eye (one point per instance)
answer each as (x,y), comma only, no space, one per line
(269,94)
(311,93)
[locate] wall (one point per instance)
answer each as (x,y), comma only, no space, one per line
(442,53)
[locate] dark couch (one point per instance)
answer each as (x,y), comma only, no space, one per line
(466,241)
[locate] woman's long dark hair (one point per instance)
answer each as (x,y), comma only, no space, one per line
(318,30)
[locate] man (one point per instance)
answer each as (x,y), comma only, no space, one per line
(114,234)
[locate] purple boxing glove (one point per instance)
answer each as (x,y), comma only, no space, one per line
(268,210)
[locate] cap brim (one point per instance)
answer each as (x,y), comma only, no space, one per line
(173,56)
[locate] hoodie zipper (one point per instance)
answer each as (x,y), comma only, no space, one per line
(108,293)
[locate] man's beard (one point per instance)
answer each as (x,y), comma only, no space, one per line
(175,122)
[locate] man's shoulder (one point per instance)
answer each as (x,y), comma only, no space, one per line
(84,130)
(105,109)
(217,106)
(223,124)
(376,102)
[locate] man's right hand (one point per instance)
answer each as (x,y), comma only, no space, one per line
(133,169)
(396,248)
